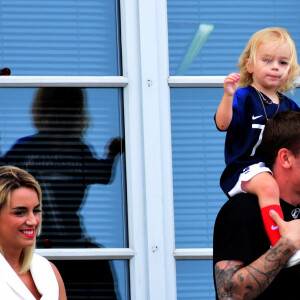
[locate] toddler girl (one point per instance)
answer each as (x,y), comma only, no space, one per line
(268,68)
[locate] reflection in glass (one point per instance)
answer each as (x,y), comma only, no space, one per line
(197,43)
(71,139)
(87,279)
(197,165)
(233,23)
(63,162)
(195,280)
(57,37)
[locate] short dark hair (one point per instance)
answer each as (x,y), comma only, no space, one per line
(282,131)
(60,110)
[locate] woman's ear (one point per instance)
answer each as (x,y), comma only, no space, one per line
(249,66)
(284,157)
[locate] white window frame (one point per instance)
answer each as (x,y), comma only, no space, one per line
(149,151)
(148,148)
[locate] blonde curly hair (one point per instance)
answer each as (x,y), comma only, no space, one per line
(276,36)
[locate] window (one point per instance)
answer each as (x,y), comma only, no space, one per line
(60,127)
(78,38)
(151,73)
(205,41)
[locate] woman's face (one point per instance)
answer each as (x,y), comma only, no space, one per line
(20,220)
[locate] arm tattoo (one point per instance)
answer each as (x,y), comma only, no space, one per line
(235,279)
(225,275)
(240,277)
(274,254)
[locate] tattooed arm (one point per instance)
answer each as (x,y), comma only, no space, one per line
(235,280)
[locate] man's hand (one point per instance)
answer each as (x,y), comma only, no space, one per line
(288,230)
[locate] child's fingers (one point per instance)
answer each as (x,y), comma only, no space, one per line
(233,77)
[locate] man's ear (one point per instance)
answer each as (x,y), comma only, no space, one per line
(284,157)
(249,66)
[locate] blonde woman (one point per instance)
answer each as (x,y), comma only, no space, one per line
(23,274)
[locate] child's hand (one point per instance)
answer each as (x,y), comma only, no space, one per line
(231,83)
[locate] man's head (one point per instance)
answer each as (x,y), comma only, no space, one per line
(282,131)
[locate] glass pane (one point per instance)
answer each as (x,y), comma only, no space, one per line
(55,37)
(207,37)
(95,279)
(62,136)
(198,162)
(195,280)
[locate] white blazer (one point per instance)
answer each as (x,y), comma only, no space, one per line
(13,288)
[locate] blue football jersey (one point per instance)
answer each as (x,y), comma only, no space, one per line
(245,131)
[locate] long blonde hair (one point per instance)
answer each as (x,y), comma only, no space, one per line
(276,36)
(12,178)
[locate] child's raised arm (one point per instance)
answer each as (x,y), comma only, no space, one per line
(224,111)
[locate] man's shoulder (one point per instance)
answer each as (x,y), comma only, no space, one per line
(239,211)
(240,201)
(238,232)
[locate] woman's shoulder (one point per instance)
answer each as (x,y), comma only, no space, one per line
(40,264)
(45,276)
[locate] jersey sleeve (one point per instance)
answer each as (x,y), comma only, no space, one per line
(295,106)
(235,110)
(238,108)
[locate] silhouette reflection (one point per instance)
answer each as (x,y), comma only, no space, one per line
(65,166)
